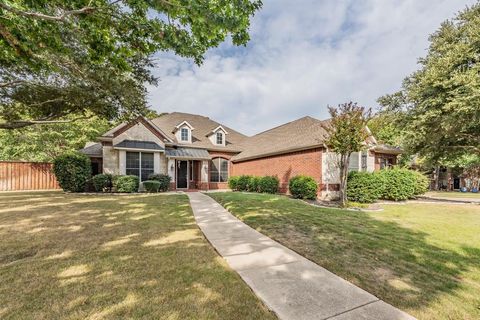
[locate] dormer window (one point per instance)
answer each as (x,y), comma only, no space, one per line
(220,138)
(184,134)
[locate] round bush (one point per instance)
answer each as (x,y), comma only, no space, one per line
(303,187)
(400,184)
(164,180)
(151,185)
(364,187)
(268,184)
(72,170)
(253,184)
(242,183)
(422,183)
(232,183)
(126,184)
(102,182)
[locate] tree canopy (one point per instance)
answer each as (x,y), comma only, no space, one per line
(347,134)
(438,108)
(46,142)
(61,58)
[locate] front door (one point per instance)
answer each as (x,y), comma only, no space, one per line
(182,174)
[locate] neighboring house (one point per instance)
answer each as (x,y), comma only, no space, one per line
(199,153)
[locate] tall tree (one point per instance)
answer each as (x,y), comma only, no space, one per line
(46,142)
(440,103)
(347,134)
(78,57)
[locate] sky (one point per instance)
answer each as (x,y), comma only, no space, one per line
(303,56)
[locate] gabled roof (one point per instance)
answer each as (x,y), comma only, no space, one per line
(203,126)
(125,125)
(301,134)
(217,129)
(181,125)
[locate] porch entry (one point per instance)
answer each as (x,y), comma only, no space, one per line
(187,173)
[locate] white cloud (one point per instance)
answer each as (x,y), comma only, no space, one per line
(303,56)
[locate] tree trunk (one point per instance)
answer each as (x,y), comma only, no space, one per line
(344,163)
(437,178)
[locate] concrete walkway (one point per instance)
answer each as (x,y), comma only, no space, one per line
(290,285)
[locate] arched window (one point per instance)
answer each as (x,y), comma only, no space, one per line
(219,170)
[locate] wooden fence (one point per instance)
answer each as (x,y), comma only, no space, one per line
(16,176)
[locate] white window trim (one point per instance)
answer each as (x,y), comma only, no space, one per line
(216,138)
(139,163)
(219,170)
(181,134)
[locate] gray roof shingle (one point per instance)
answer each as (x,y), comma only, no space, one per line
(188,153)
(304,133)
(135,144)
(92,150)
(203,127)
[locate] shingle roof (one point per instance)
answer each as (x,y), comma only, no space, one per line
(188,153)
(306,132)
(135,144)
(92,149)
(202,127)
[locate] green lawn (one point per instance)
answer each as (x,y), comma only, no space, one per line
(421,258)
(65,256)
(454,195)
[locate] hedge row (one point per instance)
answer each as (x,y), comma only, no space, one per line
(73,172)
(267,184)
(392,184)
(129,184)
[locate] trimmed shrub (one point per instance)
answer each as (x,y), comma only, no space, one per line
(72,170)
(422,183)
(400,184)
(242,183)
(268,184)
(102,182)
(254,183)
(233,183)
(303,187)
(364,187)
(126,184)
(164,180)
(151,185)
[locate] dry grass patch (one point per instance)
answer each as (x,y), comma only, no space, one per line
(67,256)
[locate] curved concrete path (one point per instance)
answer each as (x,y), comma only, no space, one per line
(290,285)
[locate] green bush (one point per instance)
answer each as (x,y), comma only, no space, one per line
(364,187)
(254,184)
(164,180)
(422,183)
(233,183)
(242,183)
(303,187)
(268,184)
(400,184)
(102,182)
(127,184)
(151,185)
(72,170)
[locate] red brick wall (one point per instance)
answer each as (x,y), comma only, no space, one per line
(285,166)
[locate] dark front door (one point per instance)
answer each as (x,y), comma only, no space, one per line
(456,183)
(182,171)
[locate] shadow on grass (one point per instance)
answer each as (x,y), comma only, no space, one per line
(149,261)
(396,264)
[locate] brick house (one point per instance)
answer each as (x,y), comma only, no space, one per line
(200,154)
